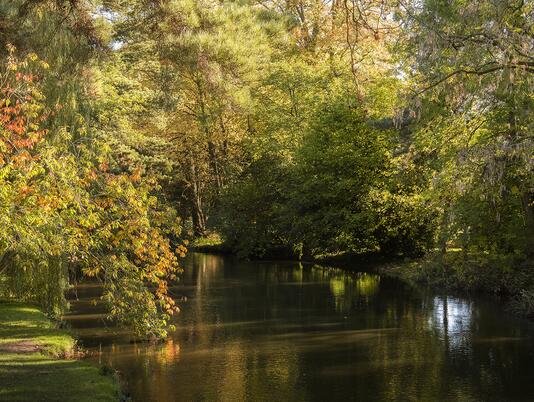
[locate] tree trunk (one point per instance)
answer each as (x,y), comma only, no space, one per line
(205,126)
(197,213)
(527,195)
(214,164)
(527,202)
(306,253)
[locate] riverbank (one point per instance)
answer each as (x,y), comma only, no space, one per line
(508,278)
(38,362)
(213,244)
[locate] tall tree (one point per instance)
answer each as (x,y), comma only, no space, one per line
(475,68)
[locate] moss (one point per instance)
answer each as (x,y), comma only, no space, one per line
(35,361)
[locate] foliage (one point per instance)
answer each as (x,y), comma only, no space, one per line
(67,212)
(340,161)
(475,129)
(365,126)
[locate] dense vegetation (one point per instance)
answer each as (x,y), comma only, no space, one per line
(403,128)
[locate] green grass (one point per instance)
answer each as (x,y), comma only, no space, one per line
(35,363)
(210,239)
(210,243)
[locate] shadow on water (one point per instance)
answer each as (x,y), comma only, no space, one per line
(266,331)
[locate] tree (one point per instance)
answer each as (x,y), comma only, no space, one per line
(69,210)
(473,62)
(204,57)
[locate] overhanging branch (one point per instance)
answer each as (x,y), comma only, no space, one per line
(523,65)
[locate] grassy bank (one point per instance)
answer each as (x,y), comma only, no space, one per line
(37,362)
(511,278)
(210,243)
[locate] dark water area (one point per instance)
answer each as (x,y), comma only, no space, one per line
(271,331)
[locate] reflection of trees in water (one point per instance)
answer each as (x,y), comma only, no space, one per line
(449,349)
(401,358)
(451,319)
(226,309)
(348,289)
(286,332)
(413,363)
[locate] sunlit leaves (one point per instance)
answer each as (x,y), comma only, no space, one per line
(67,212)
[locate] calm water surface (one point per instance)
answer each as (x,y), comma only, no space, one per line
(284,332)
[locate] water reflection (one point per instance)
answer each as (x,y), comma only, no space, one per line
(283,331)
(452,320)
(347,289)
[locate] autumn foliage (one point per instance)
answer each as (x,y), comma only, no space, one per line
(68,215)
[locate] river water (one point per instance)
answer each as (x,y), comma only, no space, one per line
(271,331)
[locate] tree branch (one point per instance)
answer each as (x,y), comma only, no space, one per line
(527,66)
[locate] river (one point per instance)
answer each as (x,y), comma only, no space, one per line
(273,331)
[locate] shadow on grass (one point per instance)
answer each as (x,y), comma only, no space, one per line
(49,380)
(37,376)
